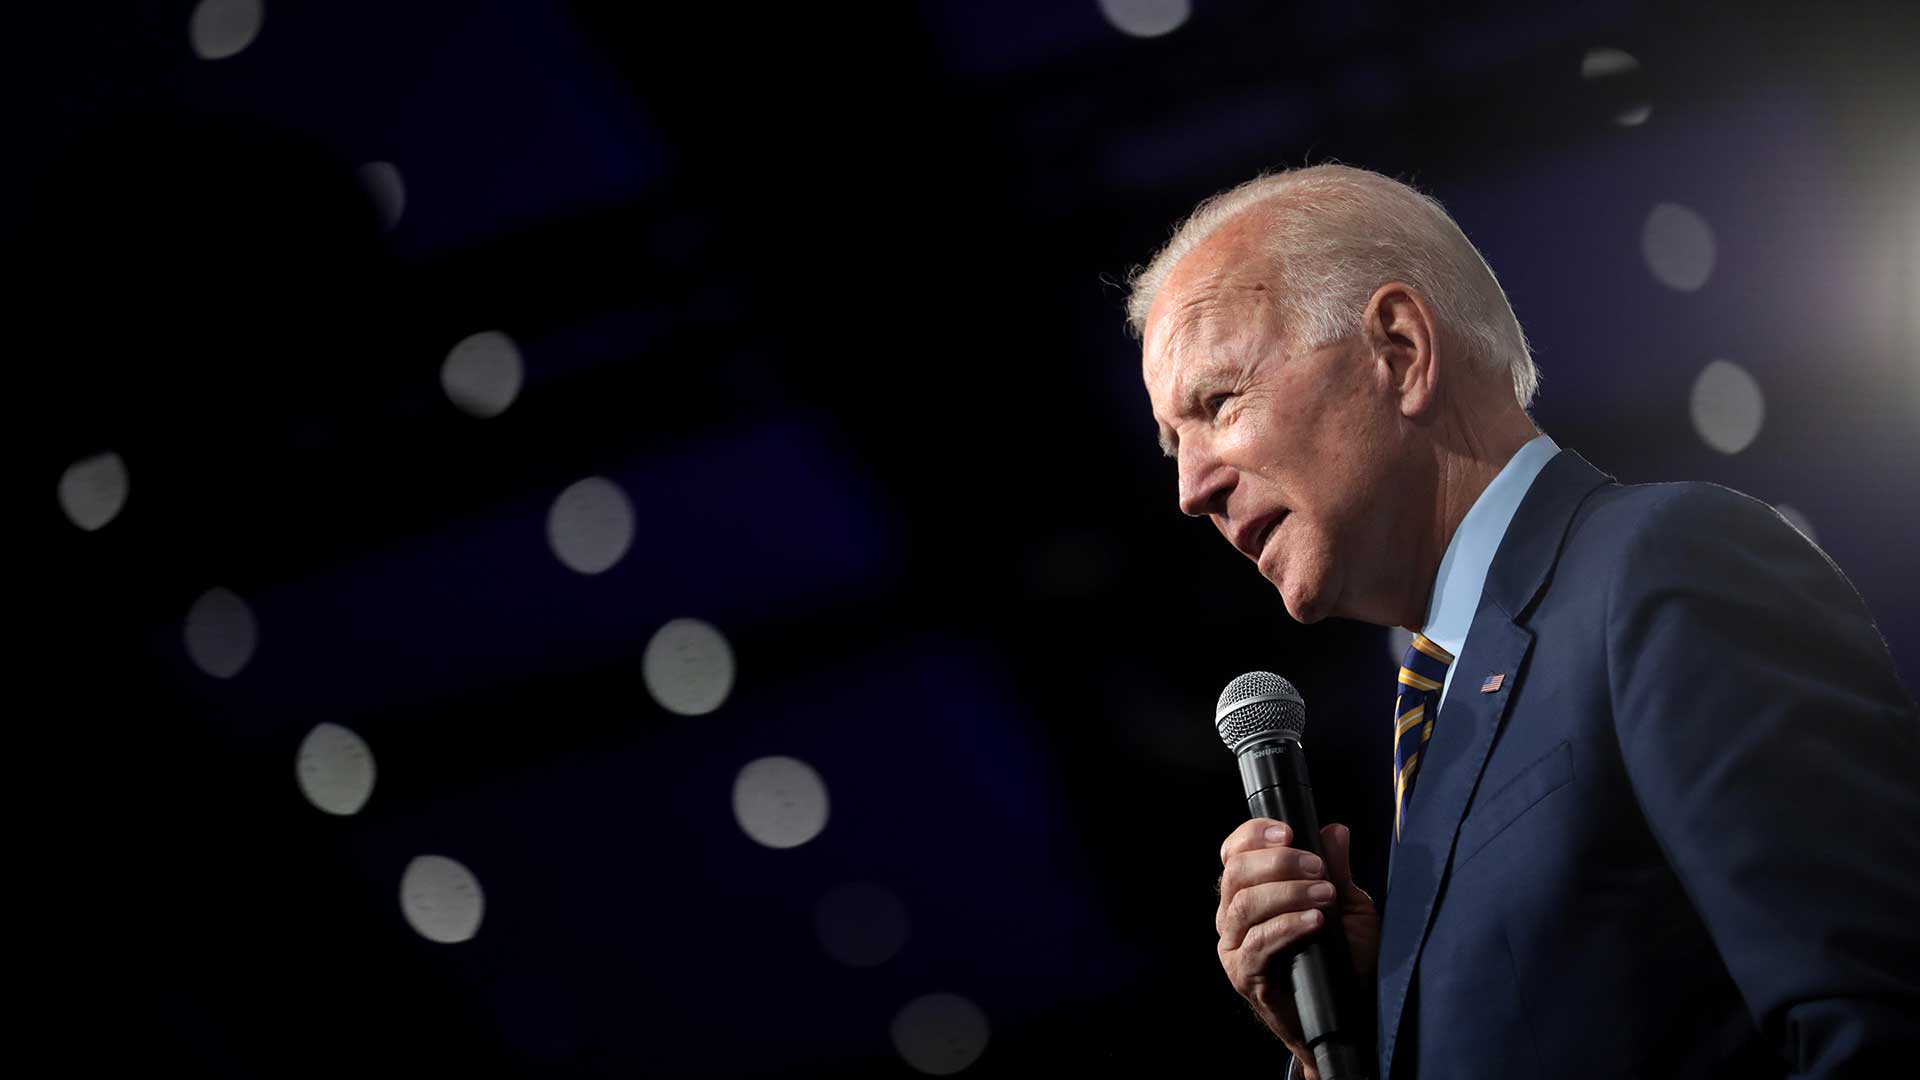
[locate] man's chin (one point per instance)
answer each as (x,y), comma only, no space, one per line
(1303,606)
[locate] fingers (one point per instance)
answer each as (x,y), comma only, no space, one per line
(1272,896)
(1272,915)
(1337,842)
(1251,967)
(1294,906)
(1252,834)
(1269,864)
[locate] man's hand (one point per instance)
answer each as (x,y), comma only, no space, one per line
(1271,896)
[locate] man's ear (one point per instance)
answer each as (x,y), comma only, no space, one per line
(1403,338)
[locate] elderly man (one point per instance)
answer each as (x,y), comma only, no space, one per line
(1657,800)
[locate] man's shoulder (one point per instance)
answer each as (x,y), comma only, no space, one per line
(1688,536)
(1621,521)
(1640,542)
(1677,505)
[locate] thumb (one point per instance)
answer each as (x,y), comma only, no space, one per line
(1336,841)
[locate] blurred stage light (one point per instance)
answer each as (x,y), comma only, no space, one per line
(780,802)
(221,633)
(1727,406)
(1146,18)
(861,924)
(482,373)
(383,184)
(93,490)
(335,769)
(591,525)
(1678,246)
(441,899)
(1619,71)
(688,667)
(1604,63)
(940,1034)
(222,28)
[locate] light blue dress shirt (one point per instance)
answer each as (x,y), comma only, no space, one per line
(1463,569)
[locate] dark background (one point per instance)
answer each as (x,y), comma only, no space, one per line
(830,291)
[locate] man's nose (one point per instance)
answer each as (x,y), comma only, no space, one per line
(1205,483)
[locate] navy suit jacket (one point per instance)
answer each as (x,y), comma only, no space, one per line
(1682,837)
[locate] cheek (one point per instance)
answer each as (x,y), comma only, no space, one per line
(1282,455)
(1351,453)
(1333,504)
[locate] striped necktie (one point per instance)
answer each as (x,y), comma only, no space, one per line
(1422,673)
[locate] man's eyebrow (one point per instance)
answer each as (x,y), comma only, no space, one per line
(1189,386)
(1187,403)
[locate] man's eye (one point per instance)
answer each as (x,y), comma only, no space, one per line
(1216,403)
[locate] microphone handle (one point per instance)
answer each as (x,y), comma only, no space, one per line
(1275,777)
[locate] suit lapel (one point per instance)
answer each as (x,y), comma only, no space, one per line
(1450,767)
(1468,725)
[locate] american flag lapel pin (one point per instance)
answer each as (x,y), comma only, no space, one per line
(1493,683)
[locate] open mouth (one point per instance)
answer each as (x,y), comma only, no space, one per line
(1267,533)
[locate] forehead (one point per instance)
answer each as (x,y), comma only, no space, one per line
(1216,316)
(1217,291)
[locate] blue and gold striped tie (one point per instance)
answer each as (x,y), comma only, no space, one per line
(1422,673)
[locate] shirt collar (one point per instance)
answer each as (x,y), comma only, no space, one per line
(1463,569)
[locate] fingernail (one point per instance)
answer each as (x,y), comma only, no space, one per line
(1310,918)
(1276,833)
(1320,890)
(1310,863)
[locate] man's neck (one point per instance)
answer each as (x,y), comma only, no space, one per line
(1466,464)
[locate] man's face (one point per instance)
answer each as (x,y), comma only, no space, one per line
(1288,453)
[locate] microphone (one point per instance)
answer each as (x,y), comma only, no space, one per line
(1260,717)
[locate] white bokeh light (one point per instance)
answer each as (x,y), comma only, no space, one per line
(221,633)
(780,802)
(335,769)
(590,525)
(688,667)
(1678,246)
(384,185)
(940,1034)
(482,373)
(1727,406)
(1798,520)
(1146,18)
(441,899)
(1602,63)
(861,924)
(222,28)
(93,490)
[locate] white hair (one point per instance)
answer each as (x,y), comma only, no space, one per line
(1339,235)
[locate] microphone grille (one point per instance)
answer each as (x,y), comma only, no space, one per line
(1259,703)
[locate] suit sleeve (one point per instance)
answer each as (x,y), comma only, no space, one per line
(1776,756)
